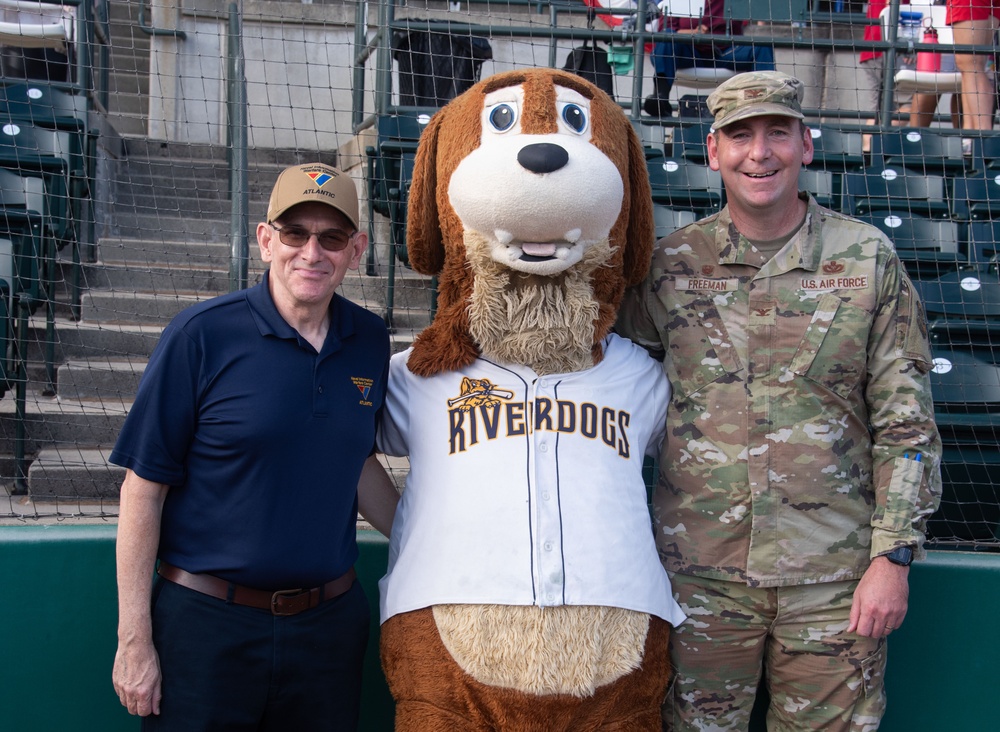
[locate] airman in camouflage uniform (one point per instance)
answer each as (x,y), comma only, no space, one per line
(801,447)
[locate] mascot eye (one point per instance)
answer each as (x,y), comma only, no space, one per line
(502,117)
(575,116)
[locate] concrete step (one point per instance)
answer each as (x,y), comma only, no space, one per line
(114,306)
(130,60)
(147,150)
(92,340)
(54,421)
(72,472)
(155,278)
(128,125)
(126,84)
(99,378)
(412,291)
(187,250)
(170,225)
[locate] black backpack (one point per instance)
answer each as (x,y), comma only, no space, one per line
(591,63)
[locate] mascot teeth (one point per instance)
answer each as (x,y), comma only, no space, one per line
(542,249)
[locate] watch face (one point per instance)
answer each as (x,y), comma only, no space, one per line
(902,555)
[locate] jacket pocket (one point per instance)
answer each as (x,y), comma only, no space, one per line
(834,347)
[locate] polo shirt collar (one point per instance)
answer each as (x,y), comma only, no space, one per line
(270,323)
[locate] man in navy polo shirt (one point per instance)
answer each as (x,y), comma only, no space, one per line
(249,451)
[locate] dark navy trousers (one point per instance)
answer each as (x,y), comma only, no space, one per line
(230,667)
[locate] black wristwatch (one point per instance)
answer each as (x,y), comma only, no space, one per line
(901,555)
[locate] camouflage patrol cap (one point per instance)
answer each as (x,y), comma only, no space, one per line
(314,182)
(754,94)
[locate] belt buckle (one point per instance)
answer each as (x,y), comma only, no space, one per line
(276,598)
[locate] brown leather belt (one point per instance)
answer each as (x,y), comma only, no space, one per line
(282,602)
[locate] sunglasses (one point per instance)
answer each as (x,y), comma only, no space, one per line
(332,240)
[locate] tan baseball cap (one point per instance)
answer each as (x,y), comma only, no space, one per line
(754,94)
(314,182)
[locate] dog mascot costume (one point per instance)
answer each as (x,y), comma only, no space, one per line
(524,590)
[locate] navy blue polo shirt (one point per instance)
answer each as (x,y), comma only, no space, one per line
(260,438)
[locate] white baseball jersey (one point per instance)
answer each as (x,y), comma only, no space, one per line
(526,489)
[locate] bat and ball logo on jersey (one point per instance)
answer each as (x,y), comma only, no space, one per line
(479,393)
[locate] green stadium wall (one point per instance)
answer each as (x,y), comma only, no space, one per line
(59,613)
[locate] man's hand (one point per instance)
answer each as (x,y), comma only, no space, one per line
(136,674)
(881,599)
(136,677)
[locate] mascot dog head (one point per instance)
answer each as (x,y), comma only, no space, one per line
(530,201)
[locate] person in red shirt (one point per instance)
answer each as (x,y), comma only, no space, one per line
(975,22)
(682,53)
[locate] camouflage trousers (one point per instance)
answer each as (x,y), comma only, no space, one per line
(818,676)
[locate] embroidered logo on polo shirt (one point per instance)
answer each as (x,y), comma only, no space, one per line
(364,386)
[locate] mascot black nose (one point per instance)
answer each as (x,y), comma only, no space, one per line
(542,157)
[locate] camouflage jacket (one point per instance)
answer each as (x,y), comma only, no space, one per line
(800,436)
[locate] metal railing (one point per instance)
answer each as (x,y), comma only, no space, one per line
(635,35)
(799,14)
(237,153)
(151,31)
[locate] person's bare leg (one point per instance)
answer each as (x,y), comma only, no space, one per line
(922,109)
(977,89)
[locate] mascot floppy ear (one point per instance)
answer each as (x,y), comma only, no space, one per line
(634,233)
(640,234)
(446,344)
(424,242)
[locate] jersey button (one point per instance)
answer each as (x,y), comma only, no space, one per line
(548,546)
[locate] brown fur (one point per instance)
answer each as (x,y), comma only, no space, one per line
(435,236)
(433,694)
(464,667)
(546,323)
(567,649)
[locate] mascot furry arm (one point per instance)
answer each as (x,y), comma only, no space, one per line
(524,590)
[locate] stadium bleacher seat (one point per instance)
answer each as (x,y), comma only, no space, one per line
(22,217)
(986,152)
(42,153)
(968,293)
(926,246)
(40,105)
(966,386)
(970,507)
(824,185)
(983,240)
(910,80)
(897,190)
(690,141)
(965,381)
(924,149)
(681,184)
(390,169)
(975,196)
(63,109)
(836,150)
(667,220)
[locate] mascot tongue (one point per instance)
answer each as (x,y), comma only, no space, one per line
(543,249)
